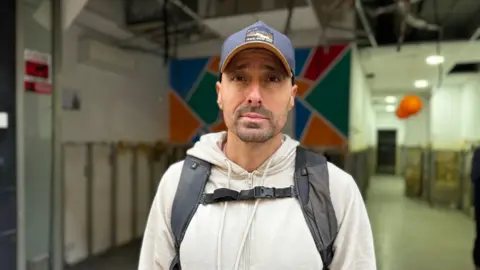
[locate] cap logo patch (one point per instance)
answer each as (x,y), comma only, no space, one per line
(259,33)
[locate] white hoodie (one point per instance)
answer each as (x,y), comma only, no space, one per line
(260,235)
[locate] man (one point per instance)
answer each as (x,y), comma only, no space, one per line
(475,177)
(255,91)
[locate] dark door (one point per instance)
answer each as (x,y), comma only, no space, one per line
(8,185)
(386,151)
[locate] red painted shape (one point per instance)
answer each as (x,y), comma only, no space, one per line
(322,59)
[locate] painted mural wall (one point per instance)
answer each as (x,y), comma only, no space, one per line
(321,113)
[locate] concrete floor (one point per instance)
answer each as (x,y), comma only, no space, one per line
(124,258)
(409,234)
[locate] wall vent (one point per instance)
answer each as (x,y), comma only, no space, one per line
(465,68)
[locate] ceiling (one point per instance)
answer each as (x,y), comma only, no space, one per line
(395,72)
(391,72)
(175,23)
(194,21)
(458,19)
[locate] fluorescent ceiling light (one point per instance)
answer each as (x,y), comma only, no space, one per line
(435,60)
(390,99)
(390,108)
(3,120)
(420,83)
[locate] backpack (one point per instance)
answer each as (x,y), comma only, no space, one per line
(311,188)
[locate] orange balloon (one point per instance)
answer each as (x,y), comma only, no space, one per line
(402,114)
(411,104)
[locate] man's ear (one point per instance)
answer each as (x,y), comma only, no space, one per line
(292,97)
(218,86)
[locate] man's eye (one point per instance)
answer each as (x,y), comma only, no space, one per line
(273,78)
(238,78)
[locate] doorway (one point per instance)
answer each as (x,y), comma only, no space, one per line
(386,151)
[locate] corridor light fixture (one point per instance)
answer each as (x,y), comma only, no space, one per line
(420,83)
(3,120)
(390,99)
(434,60)
(390,108)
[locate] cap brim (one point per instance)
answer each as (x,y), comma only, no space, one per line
(257,44)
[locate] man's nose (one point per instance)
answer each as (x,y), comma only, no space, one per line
(254,96)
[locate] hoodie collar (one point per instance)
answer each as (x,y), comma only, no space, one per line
(209,148)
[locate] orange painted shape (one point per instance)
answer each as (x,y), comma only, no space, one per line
(220,126)
(319,133)
(214,64)
(303,87)
(183,124)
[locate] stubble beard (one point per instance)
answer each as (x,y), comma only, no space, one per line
(250,132)
(253,132)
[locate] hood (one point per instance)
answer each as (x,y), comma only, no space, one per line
(208,148)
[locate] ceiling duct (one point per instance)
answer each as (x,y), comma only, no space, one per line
(145,17)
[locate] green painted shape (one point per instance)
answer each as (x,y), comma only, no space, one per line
(331,96)
(204,100)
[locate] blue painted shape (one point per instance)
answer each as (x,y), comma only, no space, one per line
(301,56)
(201,131)
(196,138)
(184,73)
(302,115)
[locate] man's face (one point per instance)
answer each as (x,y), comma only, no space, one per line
(255,95)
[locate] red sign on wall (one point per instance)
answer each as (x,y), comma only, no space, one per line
(37,76)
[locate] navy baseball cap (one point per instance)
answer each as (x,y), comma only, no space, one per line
(259,35)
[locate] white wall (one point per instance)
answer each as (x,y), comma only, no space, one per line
(446,118)
(454,115)
(411,132)
(362,119)
(117,104)
(114,106)
(130,105)
(417,127)
(470,112)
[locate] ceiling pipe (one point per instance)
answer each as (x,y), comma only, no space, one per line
(475,35)
(366,25)
(318,15)
(71,10)
(194,15)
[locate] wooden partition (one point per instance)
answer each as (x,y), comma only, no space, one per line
(467,199)
(413,171)
(445,184)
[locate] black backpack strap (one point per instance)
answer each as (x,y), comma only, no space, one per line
(193,178)
(312,182)
(259,192)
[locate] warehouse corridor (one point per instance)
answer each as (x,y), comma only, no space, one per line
(412,235)
(408,234)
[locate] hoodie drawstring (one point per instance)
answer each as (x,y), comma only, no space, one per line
(222,221)
(250,221)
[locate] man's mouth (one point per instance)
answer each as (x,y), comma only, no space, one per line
(253,116)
